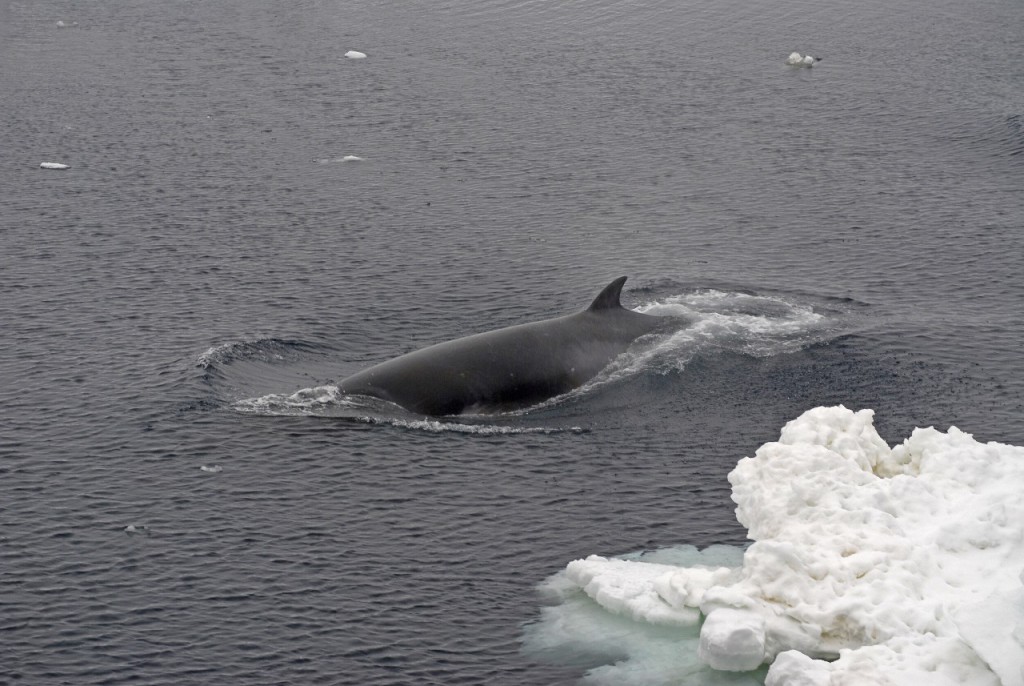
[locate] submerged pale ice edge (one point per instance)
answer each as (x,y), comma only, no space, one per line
(872,565)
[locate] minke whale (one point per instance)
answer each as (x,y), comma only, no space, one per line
(508,368)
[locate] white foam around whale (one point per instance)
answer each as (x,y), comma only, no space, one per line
(716,321)
(329,401)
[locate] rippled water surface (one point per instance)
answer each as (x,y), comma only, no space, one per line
(185,497)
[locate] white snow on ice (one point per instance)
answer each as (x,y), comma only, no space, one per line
(869,565)
(795,59)
(332,160)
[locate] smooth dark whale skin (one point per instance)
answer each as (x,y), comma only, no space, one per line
(508,368)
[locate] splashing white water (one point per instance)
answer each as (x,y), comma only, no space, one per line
(318,400)
(750,324)
(438,426)
(329,401)
(717,321)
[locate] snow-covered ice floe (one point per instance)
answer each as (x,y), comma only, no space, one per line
(870,565)
(332,160)
(795,59)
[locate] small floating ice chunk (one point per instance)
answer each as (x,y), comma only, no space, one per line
(212,468)
(795,59)
(333,160)
(355,55)
(53,165)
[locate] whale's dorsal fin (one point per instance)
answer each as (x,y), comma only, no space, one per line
(608,299)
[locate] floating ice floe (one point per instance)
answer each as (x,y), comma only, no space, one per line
(797,60)
(870,565)
(333,160)
(355,55)
(53,165)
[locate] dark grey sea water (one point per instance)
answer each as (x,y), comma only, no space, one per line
(185,295)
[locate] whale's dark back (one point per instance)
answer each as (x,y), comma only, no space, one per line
(508,368)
